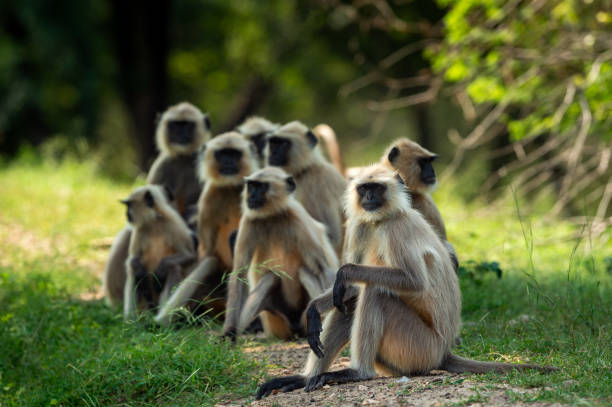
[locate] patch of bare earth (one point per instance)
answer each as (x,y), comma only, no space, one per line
(439,388)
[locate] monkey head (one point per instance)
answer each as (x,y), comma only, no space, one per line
(293,147)
(182,129)
(227,159)
(376,193)
(146,204)
(413,163)
(256,129)
(267,192)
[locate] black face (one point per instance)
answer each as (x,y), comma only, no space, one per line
(260,142)
(181,131)
(256,194)
(371,195)
(428,175)
(279,151)
(229,161)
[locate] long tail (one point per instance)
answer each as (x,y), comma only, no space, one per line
(457,364)
(329,136)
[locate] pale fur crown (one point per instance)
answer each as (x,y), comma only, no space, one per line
(208,166)
(396,196)
(257,125)
(140,211)
(182,111)
(278,196)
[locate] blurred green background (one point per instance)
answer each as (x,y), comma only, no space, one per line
(513,94)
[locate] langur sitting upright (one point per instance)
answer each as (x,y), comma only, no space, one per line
(181,131)
(293,147)
(408,308)
(414,165)
(224,162)
(161,249)
(285,254)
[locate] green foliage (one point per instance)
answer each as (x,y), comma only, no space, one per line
(58,350)
(478,272)
(531,55)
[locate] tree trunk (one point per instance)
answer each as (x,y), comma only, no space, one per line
(141,42)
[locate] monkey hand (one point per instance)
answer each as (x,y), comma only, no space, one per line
(230,334)
(313,321)
(340,289)
(140,271)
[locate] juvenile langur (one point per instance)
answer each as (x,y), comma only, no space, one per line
(293,147)
(256,129)
(285,254)
(161,249)
(181,131)
(414,165)
(408,309)
(224,162)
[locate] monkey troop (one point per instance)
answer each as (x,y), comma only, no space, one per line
(266,205)
(285,254)
(181,131)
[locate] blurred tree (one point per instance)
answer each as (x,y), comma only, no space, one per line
(54,69)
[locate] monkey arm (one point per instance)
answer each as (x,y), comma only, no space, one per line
(237,287)
(321,305)
(208,237)
(392,278)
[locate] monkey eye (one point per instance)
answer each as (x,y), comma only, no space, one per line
(361,189)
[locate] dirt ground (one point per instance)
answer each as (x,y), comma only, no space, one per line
(437,389)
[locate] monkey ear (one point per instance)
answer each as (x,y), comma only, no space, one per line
(125,201)
(312,139)
(393,154)
(158,117)
(169,194)
(206,122)
(149,200)
(399,179)
(290,184)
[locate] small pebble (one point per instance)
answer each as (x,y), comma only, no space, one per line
(403,380)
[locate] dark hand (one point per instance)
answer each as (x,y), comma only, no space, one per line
(314,328)
(140,271)
(339,290)
(230,334)
(284,384)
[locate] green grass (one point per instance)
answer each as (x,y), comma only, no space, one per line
(552,305)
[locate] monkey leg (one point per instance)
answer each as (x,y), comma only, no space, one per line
(186,289)
(256,301)
(368,327)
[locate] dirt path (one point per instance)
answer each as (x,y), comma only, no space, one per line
(437,389)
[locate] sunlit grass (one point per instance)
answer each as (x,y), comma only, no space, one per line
(552,305)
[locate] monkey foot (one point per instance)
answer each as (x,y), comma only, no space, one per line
(283,384)
(341,376)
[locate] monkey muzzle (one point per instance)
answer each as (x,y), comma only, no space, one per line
(229,161)
(279,151)
(256,194)
(181,132)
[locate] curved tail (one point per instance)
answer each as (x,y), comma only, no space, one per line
(328,135)
(457,364)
